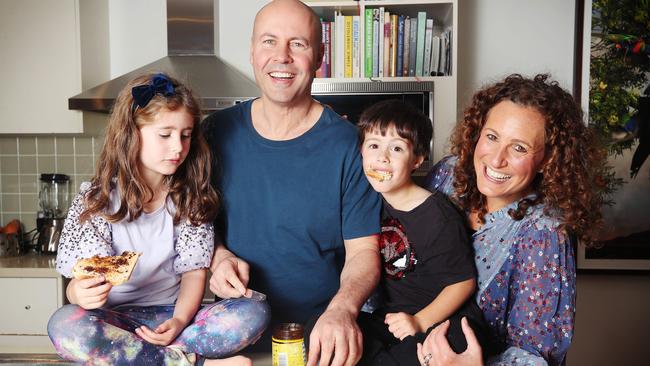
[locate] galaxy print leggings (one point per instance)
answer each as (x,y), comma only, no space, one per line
(107,337)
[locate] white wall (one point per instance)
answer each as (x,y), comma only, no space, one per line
(138,34)
(612,320)
(499,37)
(235,30)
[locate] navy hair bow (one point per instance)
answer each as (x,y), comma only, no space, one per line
(142,94)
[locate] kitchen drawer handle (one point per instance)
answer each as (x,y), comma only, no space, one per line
(27,307)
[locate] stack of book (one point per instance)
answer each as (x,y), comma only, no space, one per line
(393,45)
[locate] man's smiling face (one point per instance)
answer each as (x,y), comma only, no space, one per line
(285,52)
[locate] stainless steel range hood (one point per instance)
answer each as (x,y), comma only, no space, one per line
(191,58)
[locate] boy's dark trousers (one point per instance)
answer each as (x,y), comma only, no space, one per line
(380,347)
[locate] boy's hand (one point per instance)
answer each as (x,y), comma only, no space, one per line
(164,334)
(89,293)
(402,325)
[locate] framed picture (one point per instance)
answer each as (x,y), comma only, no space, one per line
(624,244)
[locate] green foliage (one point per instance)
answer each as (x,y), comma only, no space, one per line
(617,72)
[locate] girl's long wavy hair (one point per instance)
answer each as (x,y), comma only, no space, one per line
(569,181)
(119,162)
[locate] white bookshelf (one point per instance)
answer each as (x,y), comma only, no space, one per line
(445,14)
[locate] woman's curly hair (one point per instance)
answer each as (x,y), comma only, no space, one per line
(569,183)
(118,166)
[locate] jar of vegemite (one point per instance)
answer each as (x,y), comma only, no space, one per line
(288,345)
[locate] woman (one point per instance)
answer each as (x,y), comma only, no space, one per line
(523,168)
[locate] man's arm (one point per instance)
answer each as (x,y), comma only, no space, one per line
(230,274)
(336,338)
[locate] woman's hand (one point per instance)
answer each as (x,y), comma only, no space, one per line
(402,325)
(436,351)
(164,334)
(89,293)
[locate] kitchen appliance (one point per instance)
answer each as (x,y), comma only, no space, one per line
(190,57)
(53,200)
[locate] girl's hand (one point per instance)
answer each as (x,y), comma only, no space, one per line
(164,334)
(402,325)
(89,293)
(436,351)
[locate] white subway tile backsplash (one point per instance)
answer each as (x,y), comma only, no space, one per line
(24,158)
(8,145)
(27,146)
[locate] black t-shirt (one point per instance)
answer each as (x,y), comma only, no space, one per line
(424,250)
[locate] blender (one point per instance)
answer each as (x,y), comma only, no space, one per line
(53,199)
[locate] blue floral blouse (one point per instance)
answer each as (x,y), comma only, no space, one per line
(526,280)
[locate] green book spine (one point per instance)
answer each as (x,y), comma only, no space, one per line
(367,52)
(419,54)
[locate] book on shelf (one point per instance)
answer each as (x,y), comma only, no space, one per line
(407,45)
(380,50)
(340,46)
(419,54)
(356,47)
(448,52)
(435,56)
(413,38)
(333,48)
(428,33)
(387,45)
(375,42)
(347,46)
(393,44)
(368,42)
(444,50)
(400,46)
(324,70)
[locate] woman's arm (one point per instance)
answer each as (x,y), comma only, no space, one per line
(541,292)
(450,299)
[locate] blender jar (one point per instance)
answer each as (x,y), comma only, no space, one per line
(54,195)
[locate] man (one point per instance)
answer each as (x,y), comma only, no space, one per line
(301,219)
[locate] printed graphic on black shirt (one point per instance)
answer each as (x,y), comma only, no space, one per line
(396,250)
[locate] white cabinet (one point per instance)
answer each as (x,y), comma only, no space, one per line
(445,16)
(31,290)
(40,66)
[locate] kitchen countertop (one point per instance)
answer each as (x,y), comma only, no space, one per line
(28,265)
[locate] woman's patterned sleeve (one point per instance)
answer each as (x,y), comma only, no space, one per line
(82,240)
(541,304)
(194,247)
(439,174)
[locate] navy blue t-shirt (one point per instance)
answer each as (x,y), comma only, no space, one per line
(289,205)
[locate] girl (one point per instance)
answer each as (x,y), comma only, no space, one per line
(151,194)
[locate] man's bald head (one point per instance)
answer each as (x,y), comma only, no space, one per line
(292,8)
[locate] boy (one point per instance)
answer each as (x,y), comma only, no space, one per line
(428,269)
